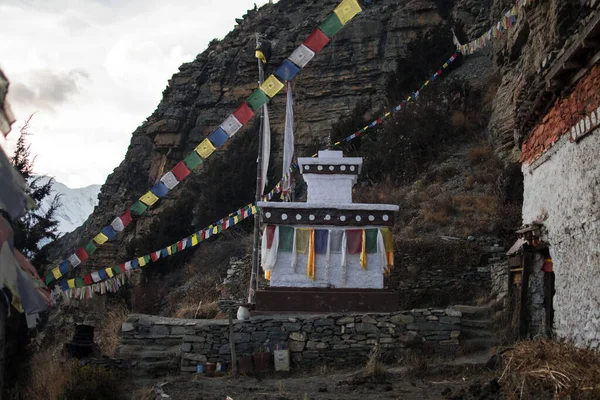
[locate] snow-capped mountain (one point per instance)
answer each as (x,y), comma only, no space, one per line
(76,204)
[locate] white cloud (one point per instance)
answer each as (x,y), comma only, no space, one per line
(93,70)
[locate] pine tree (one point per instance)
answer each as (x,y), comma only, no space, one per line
(37,224)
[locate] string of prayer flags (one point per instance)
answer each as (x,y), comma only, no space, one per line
(310,260)
(508,20)
(314,43)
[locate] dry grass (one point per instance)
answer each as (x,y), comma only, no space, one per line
(50,376)
(545,366)
(197,311)
(109,333)
(145,393)
(417,364)
(480,153)
(374,365)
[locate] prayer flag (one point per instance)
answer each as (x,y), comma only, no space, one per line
(331,25)
(180,171)
(271,86)
(64,267)
(49,278)
(192,161)
(371,240)
(257,99)
(354,237)
(79,282)
(90,248)
(231,125)
(142,261)
(71,283)
(138,208)
(96,276)
(269,232)
(164,253)
(116,270)
(64,285)
(316,41)
(173,249)
(100,238)
(205,149)
(302,240)
(321,239)
(155,255)
(117,224)
(87,279)
(218,137)
(81,254)
(56,273)
(288,140)
(126,218)
(149,199)
(336,240)
(287,71)
(301,56)
(135,263)
(169,179)
(243,113)
(194,239)
(286,239)
(109,232)
(160,190)
(347,10)
(109,272)
(363,249)
(310,261)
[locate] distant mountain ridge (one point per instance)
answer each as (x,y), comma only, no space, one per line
(76,204)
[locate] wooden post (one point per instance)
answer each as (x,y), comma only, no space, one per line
(234,372)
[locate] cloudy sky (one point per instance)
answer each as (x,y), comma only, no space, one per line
(93,70)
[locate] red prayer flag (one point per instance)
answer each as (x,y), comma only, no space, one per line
(354,239)
(81,254)
(243,113)
(180,171)
(179,246)
(126,218)
(87,279)
(153,256)
(316,41)
(122,267)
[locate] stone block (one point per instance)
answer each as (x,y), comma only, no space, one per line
(364,328)
(194,339)
(450,320)
(259,337)
(340,346)
(158,332)
(178,330)
(241,337)
(344,320)
(385,325)
(368,320)
(324,322)
(433,318)
(386,340)
(310,355)
(127,327)
(451,342)
(454,334)
(426,326)
(277,336)
(402,319)
(186,347)
(225,349)
(199,358)
(316,345)
(292,326)
(296,347)
(451,312)
(297,336)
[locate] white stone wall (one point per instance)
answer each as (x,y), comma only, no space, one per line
(565,190)
(283,274)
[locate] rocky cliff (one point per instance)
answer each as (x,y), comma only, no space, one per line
(354,67)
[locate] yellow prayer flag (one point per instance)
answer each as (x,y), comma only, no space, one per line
(387,114)
(271,86)
(310,261)
(205,149)
(100,238)
(149,198)
(254,210)
(427,83)
(169,250)
(268,275)
(365,128)
(409,97)
(215,230)
(445,65)
(301,240)
(363,250)
(195,239)
(236,219)
(56,273)
(109,272)
(142,261)
(336,143)
(71,283)
(347,10)
(388,239)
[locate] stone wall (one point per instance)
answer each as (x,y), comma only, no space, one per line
(562,189)
(159,345)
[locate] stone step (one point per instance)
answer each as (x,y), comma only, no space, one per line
(476,323)
(147,353)
(474,312)
(468,333)
(477,344)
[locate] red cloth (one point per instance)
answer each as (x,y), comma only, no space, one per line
(81,254)
(180,171)
(88,279)
(354,240)
(122,267)
(548,265)
(316,41)
(179,246)
(126,218)
(243,113)
(270,235)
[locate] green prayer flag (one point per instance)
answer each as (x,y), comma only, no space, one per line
(49,278)
(138,208)
(286,239)
(331,25)
(79,282)
(90,248)
(174,248)
(371,235)
(116,270)
(192,161)
(147,258)
(257,99)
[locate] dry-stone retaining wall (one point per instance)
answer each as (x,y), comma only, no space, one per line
(158,345)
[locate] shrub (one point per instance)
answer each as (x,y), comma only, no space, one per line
(49,377)
(109,332)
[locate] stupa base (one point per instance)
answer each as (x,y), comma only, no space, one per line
(324,300)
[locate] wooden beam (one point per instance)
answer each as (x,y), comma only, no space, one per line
(590,43)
